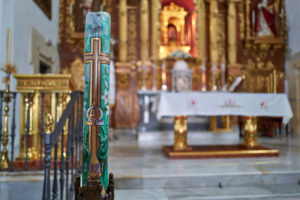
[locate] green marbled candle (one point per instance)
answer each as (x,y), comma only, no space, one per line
(96,105)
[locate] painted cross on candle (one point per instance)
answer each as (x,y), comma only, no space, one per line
(94,113)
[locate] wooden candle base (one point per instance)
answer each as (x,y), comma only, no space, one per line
(93,190)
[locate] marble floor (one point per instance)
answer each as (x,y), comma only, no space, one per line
(142,171)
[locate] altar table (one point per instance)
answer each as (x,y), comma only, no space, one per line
(250,105)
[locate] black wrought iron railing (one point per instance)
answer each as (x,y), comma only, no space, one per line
(69,162)
(54,148)
(27,122)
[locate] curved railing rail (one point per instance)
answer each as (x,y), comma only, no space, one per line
(66,138)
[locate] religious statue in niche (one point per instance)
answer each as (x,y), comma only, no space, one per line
(268,31)
(172,34)
(265,19)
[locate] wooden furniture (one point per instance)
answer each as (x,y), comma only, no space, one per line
(263,78)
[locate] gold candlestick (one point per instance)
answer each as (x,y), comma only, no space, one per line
(4,161)
(8,69)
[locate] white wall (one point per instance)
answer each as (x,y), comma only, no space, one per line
(28,15)
(293,25)
(293,18)
(21,16)
(6,21)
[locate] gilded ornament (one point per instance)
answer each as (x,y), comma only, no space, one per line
(122,80)
(201,29)
(250,135)
(132,35)
(180,133)
(35,84)
(144,30)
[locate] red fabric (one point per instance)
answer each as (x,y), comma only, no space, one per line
(270,19)
(257,22)
(187,4)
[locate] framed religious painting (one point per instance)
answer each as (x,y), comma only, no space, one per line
(266,29)
(46,6)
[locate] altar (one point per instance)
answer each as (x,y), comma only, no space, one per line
(249,105)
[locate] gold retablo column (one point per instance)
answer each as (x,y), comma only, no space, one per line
(248,25)
(155,21)
(250,132)
(213,124)
(201,23)
(226,122)
(123,31)
(213,29)
(33,148)
(231,19)
(180,133)
(144,30)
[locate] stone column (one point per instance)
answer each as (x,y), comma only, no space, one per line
(155,21)
(201,23)
(213,27)
(123,31)
(231,19)
(144,30)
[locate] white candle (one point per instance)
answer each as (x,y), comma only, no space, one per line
(203,67)
(214,70)
(144,75)
(164,77)
(8,45)
(154,76)
(236,82)
(253,17)
(223,69)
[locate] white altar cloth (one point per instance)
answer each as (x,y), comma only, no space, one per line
(223,103)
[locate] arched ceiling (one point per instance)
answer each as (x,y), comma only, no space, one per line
(188,5)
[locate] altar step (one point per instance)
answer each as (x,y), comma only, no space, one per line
(209,180)
(142,171)
(203,137)
(271,192)
(32,187)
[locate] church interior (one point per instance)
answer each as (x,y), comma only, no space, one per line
(150,99)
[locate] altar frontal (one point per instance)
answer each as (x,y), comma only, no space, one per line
(250,105)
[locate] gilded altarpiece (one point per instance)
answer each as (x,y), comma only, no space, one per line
(242,34)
